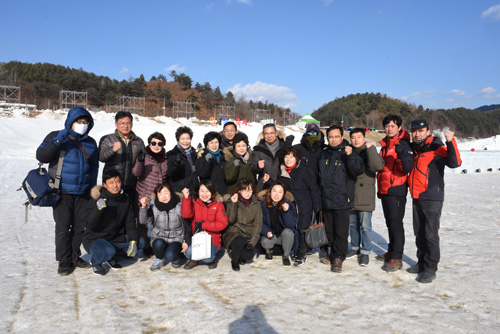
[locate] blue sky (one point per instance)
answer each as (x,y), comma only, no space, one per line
(294,53)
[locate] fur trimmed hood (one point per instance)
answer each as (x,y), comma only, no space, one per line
(95,192)
(229,153)
(263,194)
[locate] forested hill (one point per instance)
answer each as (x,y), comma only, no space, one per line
(490,107)
(41,83)
(368,110)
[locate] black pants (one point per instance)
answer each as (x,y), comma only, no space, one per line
(302,249)
(394,212)
(426,216)
(68,215)
(239,250)
(337,230)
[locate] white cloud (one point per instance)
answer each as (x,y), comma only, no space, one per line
(488,91)
(261,91)
(175,67)
(457,92)
(414,95)
(123,70)
(493,12)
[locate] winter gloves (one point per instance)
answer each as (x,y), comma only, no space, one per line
(61,137)
(132,248)
(101,203)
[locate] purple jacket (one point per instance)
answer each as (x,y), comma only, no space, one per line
(149,173)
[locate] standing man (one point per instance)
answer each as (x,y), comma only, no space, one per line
(229,130)
(426,183)
(338,167)
(78,176)
(267,155)
(360,218)
(392,188)
(118,151)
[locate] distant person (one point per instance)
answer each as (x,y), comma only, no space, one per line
(338,167)
(426,182)
(279,216)
(110,229)
(163,210)
(229,130)
(267,155)
(205,214)
(393,187)
(211,162)
(244,223)
(301,182)
(239,160)
(78,176)
(150,168)
(360,218)
(181,161)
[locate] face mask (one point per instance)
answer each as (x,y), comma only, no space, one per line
(81,128)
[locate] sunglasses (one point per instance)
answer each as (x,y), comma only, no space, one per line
(419,124)
(159,143)
(312,133)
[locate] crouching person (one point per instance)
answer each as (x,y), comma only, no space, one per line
(110,224)
(163,210)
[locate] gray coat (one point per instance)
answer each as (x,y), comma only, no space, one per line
(165,225)
(364,189)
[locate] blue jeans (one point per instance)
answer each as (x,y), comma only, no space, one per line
(360,224)
(206,261)
(168,251)
(102,250)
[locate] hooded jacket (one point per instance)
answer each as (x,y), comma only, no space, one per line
(112,223)
(364,190)
(426,179)
(310,154)
(337,173)
(122,160)
(392,178)
(78,176)
(272,163)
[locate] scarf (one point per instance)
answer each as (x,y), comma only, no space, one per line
(273,147)
(158,157)
(217,154)
(174,200)
(187,153)
(289,169)
(246,202)
(245,157)
(107,194)
(312,139)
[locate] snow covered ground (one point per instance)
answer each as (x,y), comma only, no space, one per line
(264,297)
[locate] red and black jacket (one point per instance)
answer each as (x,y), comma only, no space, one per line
(426,180)
(391,180)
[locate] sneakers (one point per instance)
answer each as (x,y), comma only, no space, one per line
(176,263)
(65,268)
(113,264)
(98,270)
(80,263)
(427,277)
(414,270)
(363,260)
(299,262)
(336,266)
(352,253)
(286,261)
(157,265)
(190,264)
(392,265)
(383,257)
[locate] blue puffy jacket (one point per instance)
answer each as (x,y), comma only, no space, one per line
(77,176)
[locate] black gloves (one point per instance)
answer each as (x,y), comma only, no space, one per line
(248,246)
(197,227)
(399,151)
(141,157)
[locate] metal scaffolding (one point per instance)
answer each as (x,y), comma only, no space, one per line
(69,99)
(260,114)
(134,105)
(224,111)
(184,109)
(10,93)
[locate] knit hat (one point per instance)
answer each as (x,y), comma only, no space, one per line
(312,127)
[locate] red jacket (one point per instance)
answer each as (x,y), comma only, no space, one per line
(391,180)
(213,217)
(426,179)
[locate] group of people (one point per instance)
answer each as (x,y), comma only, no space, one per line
(246,199)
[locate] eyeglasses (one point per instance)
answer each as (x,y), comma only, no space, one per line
(312,133)
(124,124)
(419,123)
(159,143)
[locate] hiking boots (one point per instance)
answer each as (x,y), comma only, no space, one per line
(323,256)
(80,263)
(363,260)
(427,277)
(65,268)
(157,265)
(392,265)
(336,266)
(352,253)
(98,270)
(383,257)
(190,264)
(286,261)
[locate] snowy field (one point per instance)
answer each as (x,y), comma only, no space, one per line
(264,297)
